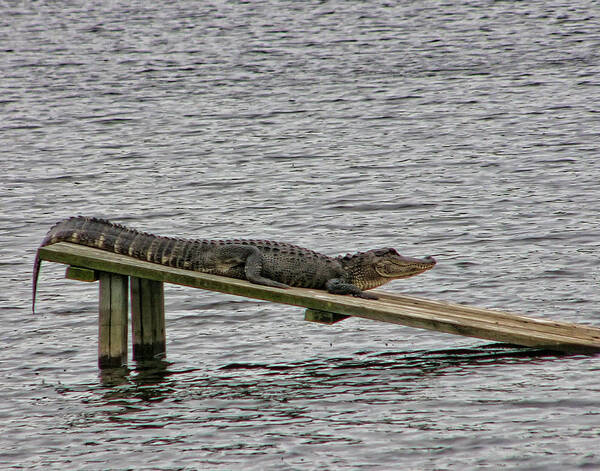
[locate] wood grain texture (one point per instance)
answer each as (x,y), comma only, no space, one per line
(405,310)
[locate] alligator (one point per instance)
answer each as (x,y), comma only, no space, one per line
(263,262)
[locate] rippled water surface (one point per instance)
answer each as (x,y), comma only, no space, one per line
(469,130)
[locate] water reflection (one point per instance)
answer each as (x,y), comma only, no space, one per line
(143,376)
(329,401)
(114,376)
(153,380)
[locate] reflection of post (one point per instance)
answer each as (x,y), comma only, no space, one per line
(147,318)
(110,377)
(112,325)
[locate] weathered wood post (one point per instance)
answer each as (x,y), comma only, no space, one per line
(147,318)
(112,324)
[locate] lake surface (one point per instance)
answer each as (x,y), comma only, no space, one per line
(470,131)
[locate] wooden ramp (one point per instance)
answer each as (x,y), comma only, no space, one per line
(147,303)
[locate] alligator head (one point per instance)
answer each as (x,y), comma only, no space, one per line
(376,267)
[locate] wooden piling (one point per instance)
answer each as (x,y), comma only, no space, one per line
(147,318)
(112,324)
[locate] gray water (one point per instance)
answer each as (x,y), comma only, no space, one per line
(467,130)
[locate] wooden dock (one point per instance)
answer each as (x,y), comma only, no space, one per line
(122,278)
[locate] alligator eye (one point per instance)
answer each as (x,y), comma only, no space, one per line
(384,252)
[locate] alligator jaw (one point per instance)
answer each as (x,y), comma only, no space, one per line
(399,266)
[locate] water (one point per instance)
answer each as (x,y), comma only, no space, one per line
(468,130)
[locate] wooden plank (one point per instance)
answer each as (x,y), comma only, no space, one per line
(494,317)
(147,318)
(404,310)
(112,323)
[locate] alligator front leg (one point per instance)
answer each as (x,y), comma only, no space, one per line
(338,286)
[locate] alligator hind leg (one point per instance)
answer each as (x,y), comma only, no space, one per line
(337,286)
(238,261)
(253,267)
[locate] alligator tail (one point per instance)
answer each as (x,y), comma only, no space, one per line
(37,264)
(115,238)
(36,273)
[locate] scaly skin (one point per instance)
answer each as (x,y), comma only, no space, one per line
(263,262)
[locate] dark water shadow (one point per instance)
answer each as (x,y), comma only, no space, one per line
(426,362)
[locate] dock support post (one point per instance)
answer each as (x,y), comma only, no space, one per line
(112,324)
(147,318)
